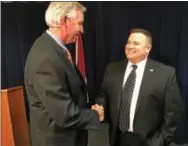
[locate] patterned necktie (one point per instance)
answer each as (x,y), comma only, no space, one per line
(126,96)
(69,56)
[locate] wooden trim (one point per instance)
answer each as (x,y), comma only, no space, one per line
(12,89)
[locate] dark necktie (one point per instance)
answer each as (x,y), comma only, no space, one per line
(126,97)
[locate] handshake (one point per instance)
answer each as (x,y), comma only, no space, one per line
(100,110)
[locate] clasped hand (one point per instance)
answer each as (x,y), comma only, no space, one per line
(100,110)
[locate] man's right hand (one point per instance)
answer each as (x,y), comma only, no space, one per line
(100,110)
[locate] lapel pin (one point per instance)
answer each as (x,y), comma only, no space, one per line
(151,70)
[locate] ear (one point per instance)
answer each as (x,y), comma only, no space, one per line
(148,48)
(63,20)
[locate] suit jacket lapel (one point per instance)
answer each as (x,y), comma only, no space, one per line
(146,82)
(63,54)
(80,76)
(76,74)
(121,73)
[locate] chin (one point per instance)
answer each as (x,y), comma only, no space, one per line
(130,56)
(71,41)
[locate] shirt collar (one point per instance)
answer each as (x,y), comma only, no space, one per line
(58,41)
(140,64)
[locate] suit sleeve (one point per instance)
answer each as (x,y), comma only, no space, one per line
(57,101)
(172,114)
(102,96)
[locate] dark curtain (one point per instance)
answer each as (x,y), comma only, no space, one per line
(106,29)
(22,22)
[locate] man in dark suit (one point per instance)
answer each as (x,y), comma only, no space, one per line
(140,97)
(56,90)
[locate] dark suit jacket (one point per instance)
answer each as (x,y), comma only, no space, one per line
(158,107)
(57,97)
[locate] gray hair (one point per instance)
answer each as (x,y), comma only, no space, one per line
(57,10)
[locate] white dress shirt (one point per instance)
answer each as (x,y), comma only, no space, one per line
(139,75)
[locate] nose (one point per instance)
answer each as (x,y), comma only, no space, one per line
(130,46)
